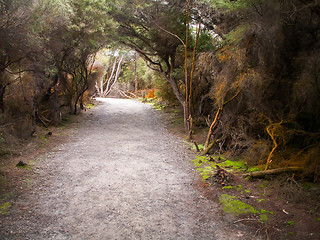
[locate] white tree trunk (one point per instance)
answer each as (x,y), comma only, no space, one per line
(109,87)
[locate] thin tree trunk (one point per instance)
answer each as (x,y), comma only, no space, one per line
(174,87)
(190,82)
(136,75)
(108,80)
(115,77)
(207,145)
(186,79)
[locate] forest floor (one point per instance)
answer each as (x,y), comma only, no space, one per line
(122,171)
(280,207)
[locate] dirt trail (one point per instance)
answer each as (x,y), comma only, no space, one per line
(121,176)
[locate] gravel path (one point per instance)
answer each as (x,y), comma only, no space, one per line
(122,175)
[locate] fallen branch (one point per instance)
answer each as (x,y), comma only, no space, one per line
(262,174)
(125,94)
(246,219)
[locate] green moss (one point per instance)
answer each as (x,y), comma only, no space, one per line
(318,219)
(200,146)
(205,172)
(247,191)
(261,200)
(228,187)
(233,164)
(192,146)
(266,211)
(202,162)
(4,207)
(263,218)
(238,165)
(232,205)
(204,166)
(290,223)
(253,169)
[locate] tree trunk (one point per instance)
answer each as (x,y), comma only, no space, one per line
(186,79)
(34,112)
(108,80)
(136,76)
(108,89)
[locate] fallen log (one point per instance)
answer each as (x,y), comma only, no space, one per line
(262,174)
